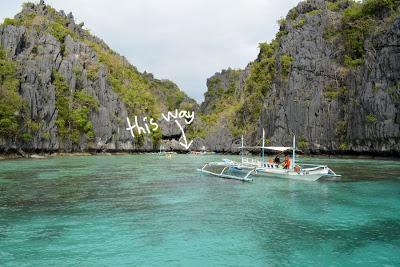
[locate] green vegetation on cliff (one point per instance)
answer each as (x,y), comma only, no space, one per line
(73,111)
(141,94)
(359,20)
(240,109)
(11,102)
(125,80)
(224,102)
(257,85)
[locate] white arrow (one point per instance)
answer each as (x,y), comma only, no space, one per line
(185,145)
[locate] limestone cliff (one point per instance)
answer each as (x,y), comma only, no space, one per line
(331,76)
(64,89)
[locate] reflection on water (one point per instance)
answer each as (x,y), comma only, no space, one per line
(145,210)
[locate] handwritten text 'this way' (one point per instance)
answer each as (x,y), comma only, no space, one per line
(149,125)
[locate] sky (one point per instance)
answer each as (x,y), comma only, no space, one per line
(180,40)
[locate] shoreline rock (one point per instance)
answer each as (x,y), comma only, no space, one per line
(334,154)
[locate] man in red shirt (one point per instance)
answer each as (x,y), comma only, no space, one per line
(286,162)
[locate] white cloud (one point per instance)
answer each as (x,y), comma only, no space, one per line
(185,41)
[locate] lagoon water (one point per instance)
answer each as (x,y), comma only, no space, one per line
(145,210)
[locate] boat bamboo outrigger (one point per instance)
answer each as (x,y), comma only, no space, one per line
(249,166)
(230,166)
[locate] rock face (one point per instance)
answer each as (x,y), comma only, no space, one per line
(334,85)
(42,42)
(329,104)
(228,81)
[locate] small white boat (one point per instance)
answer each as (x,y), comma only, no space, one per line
(250,166)
(167,154)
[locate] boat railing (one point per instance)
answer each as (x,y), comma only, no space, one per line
(251,161)
(311,165)
(259,163)
(308,166)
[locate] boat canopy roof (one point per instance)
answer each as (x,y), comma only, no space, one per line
(278,148)
(273,148)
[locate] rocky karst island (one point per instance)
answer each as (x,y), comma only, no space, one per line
(330,76)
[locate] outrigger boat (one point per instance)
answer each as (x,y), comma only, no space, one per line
(248,166)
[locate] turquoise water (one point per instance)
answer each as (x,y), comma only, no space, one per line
(145,210)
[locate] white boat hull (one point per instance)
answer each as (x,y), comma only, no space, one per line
(274,170)
(279,173)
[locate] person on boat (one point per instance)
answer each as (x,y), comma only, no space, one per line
(277,160)
(297,168)
(286,162)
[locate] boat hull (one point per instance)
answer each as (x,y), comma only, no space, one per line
(307,172)
(291,175)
